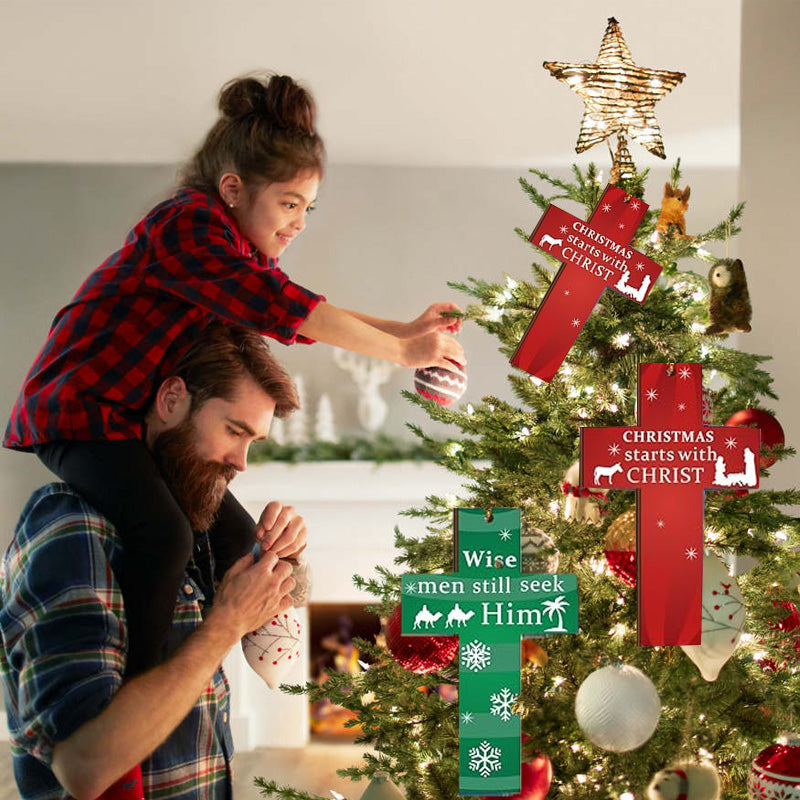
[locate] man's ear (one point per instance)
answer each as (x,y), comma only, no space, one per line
(231,189)
(173,401)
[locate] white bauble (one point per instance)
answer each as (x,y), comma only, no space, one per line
(274,648)
(539,554)
(723,619)
(618,708)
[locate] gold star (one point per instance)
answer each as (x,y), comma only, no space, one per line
(619,95)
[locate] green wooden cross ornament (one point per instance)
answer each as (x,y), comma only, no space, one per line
(490,605)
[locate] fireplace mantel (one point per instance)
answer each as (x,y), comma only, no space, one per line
(351,509)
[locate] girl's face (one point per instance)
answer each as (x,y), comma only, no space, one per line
(277,212)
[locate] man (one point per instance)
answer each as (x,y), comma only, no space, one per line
(74,723)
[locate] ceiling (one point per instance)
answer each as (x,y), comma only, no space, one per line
(417,82)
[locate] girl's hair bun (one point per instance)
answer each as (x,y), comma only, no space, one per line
(276,99)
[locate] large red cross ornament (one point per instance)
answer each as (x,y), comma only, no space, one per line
(671,459)
(596,257)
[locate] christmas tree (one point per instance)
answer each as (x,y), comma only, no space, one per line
(521,455)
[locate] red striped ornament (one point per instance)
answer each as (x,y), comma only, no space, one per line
(444,386)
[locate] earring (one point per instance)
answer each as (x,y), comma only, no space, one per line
(231,205)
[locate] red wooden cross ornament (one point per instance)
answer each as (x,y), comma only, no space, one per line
(596,256)
(671,459)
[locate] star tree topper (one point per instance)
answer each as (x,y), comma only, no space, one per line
(619,95)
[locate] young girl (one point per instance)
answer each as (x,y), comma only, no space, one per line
(209,252)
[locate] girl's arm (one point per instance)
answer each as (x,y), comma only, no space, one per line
(438,317)
(335,326)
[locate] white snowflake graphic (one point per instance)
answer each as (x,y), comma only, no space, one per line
(476,656)
(685,372)
(639,266)
(410,589)
(635,205)
(660,523)
(467,718)
(505,534)
(563,229)
(691,553)
(606,208)
(484,759)
(575,322)
(621,226)
(502,702)
(681,406)
(613,449)
(652,394)
(730,443)
(566,292)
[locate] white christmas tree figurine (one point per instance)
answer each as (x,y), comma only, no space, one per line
(277,431)
(324,429)
(298,422)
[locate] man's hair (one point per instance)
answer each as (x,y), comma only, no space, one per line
(224,354)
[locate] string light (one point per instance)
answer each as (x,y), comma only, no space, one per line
(494,314)
(621,341)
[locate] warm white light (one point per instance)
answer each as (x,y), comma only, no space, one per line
(627,796)
(581,778)
(493,314)
(621,340)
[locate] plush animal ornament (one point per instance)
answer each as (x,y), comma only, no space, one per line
(581,505)
(729,302)
(673,208)
(685,781)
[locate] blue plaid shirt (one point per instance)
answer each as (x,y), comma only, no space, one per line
(64,646)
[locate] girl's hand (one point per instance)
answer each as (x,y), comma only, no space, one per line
(431,320)
(434,350)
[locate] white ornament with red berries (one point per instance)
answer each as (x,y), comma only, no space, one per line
(723,618)
(274,648)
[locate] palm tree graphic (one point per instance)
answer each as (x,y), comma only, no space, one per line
(557,606)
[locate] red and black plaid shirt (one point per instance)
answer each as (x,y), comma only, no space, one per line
(184,265)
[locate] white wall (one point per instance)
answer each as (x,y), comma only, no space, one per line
(770,177)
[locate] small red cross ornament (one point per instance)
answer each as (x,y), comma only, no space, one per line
(670,458)
(596,257)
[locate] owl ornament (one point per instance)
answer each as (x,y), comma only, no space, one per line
(729,302)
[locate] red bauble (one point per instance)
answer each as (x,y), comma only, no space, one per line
(771,430)
(620,549)
(535,781)
(442,385)
(418,654)
(775,773)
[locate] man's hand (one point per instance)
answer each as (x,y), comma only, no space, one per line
(251,593)
(281,530)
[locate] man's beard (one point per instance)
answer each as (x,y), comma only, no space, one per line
(198,485)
